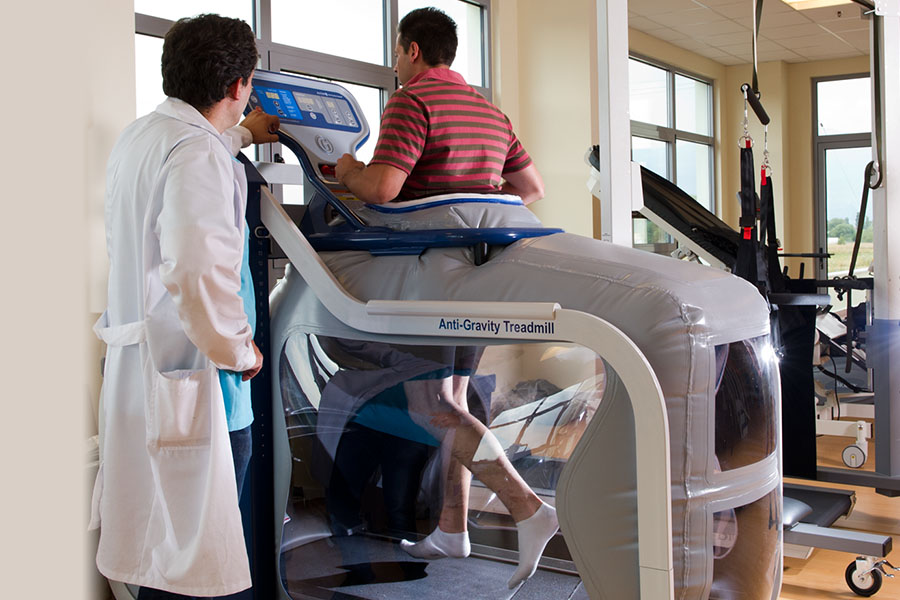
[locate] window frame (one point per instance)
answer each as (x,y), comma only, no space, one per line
(821,144)
(282,57)
(670,134)
(279,56)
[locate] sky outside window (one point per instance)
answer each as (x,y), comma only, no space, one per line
(649,99)
(844,106)
(346,28)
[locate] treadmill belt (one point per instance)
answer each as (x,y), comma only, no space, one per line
(828,505)
(368,568)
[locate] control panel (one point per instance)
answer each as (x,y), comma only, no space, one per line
(323,118)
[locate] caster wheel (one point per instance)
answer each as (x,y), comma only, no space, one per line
(853,456)
(866,585)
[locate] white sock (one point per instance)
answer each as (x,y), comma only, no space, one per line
(534,533)
(439,544)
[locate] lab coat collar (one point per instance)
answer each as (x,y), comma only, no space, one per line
(181,110)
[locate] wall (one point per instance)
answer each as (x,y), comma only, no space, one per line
(544,84)
(110,89)
(70,67)
(505,56)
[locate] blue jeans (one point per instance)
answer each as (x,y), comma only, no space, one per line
(241,448)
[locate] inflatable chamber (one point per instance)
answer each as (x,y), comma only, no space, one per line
(371,417)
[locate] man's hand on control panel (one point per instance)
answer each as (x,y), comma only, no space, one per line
(262,126)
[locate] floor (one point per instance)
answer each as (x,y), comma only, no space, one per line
(822,576)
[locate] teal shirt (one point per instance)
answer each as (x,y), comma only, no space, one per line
(238,407)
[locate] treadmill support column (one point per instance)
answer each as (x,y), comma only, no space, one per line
(884,339)
(614,126)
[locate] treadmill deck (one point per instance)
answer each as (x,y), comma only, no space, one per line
(368,568)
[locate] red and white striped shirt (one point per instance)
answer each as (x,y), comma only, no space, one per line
(446,137)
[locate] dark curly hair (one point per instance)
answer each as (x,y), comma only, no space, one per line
(433,31)
(203,55)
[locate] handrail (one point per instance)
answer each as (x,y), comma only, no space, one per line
(752,96)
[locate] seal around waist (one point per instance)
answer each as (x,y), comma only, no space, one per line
(444,221)
(408,206)
(449,211)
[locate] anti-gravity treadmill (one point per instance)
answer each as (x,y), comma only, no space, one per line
(636,393)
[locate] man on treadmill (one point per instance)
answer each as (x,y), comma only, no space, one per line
(438,136)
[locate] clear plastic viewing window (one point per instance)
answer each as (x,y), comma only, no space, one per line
(746,388)
(383,436)
(745,548)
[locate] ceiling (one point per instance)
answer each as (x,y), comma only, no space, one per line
(722,30)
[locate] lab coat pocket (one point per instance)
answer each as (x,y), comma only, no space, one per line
(180,406)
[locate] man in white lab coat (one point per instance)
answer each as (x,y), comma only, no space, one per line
(176,325)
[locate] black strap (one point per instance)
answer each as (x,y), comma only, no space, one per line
(746,261)
(860,223)
(769,241)
(766,220)
(757,23)
(861,219)
(751,90)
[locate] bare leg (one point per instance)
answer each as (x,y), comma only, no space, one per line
(471,443)
(457,480)
(474,446)
(451,537)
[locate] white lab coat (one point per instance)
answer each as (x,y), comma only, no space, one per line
(165,491)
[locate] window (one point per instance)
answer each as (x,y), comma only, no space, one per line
(314,26)
(350,42)
(843,117)
(672,135)
(469,61)
(843,106)
(148,80)
(693,105)
(648,97)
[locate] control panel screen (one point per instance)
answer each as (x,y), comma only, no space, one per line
(305,106)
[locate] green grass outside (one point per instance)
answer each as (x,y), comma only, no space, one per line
(840,258)
(839,263)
